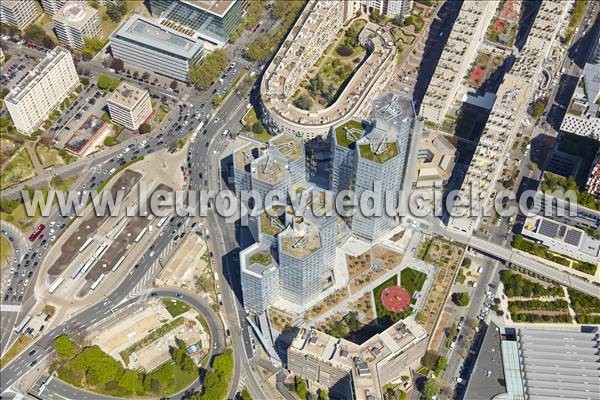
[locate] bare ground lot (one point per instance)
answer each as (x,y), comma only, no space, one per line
(89,225)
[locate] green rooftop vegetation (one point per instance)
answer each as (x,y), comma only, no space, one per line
(289,146)
(268,227)
(348,133)
(390,152)
(261,258)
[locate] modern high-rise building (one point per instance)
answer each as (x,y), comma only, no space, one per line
(146,44)
(343,142)
(32,100)
(389,8)
(129,105)
(271,178)
(18,13)
(211,20)
(291,148)
(51,7)
(467,33)
(75,22)
(259,277)
(300,262)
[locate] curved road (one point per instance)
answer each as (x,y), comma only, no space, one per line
(58,389)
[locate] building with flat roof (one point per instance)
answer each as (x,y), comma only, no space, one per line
(583,114)
(149,45)
(389,8)
(42,90)
(561,238)
(357,371)
(435,161)
(260,278)
(89,136)
(592,185)
(75,22)
(18,13)
(512,101)
(51,7)
(468,32)
(129,105)
(343,142)
(211,20)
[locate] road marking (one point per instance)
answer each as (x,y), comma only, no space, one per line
(10,308)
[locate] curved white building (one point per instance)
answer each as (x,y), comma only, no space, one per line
(316,28)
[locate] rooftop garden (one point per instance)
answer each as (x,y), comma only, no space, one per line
(260,257)
(390,151)
(270,225)
(333,70)
(348,133)
(288,146)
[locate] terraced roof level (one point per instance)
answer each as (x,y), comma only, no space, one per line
(379,151)
(300,245)
(272,224)
(269,168)
(349,132)
(291,147)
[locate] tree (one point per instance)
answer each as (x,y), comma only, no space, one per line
(203,74)
(300,387)
(105,82)
(91,46)
(429,359)
(132,381)
(303,102)
(64,346)
(116,64)
(144,128)
(116,11)
(258,127)
(35,34)
(431,388)
(461,299)
(84,81)
(145,76)
(245,394)
(539,106)
(376,17)
(173,85)
(441,365)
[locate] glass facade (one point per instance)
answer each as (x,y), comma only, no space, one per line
(208,25)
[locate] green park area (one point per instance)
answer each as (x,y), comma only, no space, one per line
(106,82)
(175,307)
(17,169)
(254,127)
(333,70)
(553,182)
(92,369)
(404,38)
(14,211)
(5,250)
(412,281)
(50,157)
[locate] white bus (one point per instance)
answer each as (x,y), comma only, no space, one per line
(100,250)
(55,285)
(95,284)
(88,264)
(161,222)
(118,264)
(142,233)
(86,244)
(19,328)
(77,271)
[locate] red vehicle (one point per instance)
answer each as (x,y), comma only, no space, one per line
(37,232)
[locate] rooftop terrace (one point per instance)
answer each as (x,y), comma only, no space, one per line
(272,225)
(379,151)
(349,132)
(300,243)
(291,147)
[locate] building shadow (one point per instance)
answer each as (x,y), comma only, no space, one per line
(439,32)
(579,51)
(529,10)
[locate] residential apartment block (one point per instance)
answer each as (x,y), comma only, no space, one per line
(467,34)
(75,22)
(42,90)
(435,161)
(389,8)
(592,185)
(129,105)
(212,21)
(18,13)
(149,45)
(512,100)
(260,278)
(51,7)
(357,371)
(583,115)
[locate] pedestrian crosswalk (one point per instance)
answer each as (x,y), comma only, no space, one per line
(10,308)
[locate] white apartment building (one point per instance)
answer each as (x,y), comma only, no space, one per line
(75,22)
(260,278)
(129,105)
(512,101)
(467,34)
(389,8)
(51,7)
(42,90)
(18,13)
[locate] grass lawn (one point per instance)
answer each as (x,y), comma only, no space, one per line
(406,39)
(5,250)
(175,307)
(20,219)
(162,112)
(50,157)
(64,184)
(179,379)
(108,26)
(16,170)
(19,345)
(412,280)
(387,318)
(250,119)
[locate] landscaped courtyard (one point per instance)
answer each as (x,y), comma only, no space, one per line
(333,70)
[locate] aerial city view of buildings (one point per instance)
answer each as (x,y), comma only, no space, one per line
(415,185)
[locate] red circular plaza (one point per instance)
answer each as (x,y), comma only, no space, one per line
(395,298)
